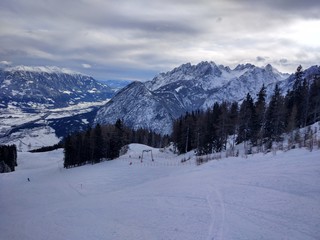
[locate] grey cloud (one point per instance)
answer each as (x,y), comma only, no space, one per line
(283,61)
(142,37)
(291,7)
(260,59)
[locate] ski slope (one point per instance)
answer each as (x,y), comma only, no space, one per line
(272,196)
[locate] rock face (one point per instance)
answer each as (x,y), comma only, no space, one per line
(139,107)
(154,104)
(48,87)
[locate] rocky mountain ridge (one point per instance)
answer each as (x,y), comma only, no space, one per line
(154,104)
(33,88)
(39,105)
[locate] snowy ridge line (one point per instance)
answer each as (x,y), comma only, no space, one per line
(42,69)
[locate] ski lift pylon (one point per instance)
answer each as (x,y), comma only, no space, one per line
(148,150)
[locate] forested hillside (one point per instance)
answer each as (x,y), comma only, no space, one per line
(257,123)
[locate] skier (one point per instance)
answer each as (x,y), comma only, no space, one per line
(28,179)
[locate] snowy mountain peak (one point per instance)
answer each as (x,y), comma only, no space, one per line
(241,67)
(41,69)
(207,68)
(270,68)
(185,88)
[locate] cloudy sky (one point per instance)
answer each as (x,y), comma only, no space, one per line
(126,39)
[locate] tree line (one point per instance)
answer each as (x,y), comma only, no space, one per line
(8,158)
(254,123)
(104,142)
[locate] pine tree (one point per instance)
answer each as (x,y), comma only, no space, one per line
(178,135)
(98,146)
(246,117)
(218,128)
(205,137)
(79,160)
(233,118)
(87,146)
(117,139)
(275,117)
(259,117)
(298,78)
(233,122)
(314,103)
(8,154)
(69,152)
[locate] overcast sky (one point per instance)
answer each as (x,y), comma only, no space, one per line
(136,39)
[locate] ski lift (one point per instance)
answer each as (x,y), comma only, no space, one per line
(145,151)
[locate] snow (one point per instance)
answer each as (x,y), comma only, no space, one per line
(93,90)
(272,196)
(40,69)
(34,138)
(67,92)
(13,117)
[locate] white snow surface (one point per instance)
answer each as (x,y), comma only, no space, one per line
(272,196)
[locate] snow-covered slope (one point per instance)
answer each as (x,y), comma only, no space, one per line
(188,88)
(33,88)
(272,196)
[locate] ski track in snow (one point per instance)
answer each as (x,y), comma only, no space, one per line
(217,207)
(261,197)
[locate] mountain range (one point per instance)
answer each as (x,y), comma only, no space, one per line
(55,101)
(32,88)
(154,104)
(39,105)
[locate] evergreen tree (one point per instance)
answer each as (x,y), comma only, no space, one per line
(178,135)
(305,102)
(218,128)
(298,78)
(246,117)
(291,110)
(205,136)
(98,145)
(69,152)
(275,117)
(314,103)
(117,139)
(259,117)
(233,121)
(8,154)
(224,125)
(87,146)
(300,97)
(233,118)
